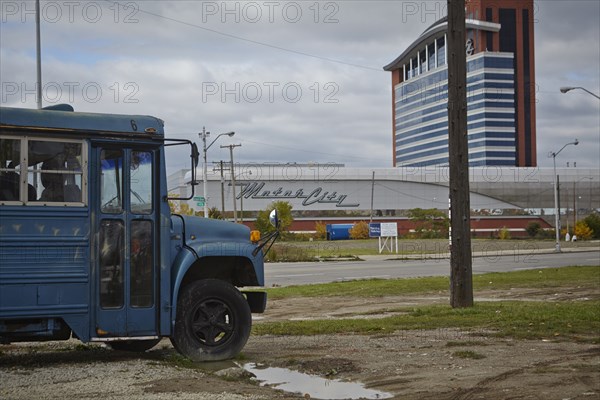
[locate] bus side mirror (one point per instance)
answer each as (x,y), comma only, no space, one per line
(274,219)
(270,238)
(195,155)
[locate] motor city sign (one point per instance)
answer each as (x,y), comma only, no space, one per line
(256,190)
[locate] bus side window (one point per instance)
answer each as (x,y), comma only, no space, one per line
(52,180)
(54,168)
(10,170)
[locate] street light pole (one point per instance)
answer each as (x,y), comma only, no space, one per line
(566,89)
(203,135)
(556,211)
(38,48)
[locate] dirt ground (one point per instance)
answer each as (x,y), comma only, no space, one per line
(422,364)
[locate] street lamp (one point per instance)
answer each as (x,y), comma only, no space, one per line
(566,89)
(556,211)
(204,134)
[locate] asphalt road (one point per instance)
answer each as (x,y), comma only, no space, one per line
(302,273)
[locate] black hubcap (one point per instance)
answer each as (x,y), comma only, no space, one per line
(212,322)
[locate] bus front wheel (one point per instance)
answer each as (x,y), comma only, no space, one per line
(213,321)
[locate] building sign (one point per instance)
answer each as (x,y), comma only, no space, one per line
(256,190)
(374,230)
(386,234)
(469,47)
(389,229)
(383,229)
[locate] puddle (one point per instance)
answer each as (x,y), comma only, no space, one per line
(315,386)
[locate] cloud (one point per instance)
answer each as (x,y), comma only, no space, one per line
(297,81)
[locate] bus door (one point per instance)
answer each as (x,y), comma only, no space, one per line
(126,242)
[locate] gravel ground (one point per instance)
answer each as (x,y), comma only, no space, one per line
(59,370)
(421,364)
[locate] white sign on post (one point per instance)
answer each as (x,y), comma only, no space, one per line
(389,230)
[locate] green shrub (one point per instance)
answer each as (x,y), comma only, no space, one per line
(533,228)
(321,229)
(583,231)
(504,233)
(360,230)
(593,222)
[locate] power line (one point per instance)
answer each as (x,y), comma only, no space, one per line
(307,151)
(257,42)
(295,149)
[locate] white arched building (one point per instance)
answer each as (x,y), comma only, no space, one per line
(329,187)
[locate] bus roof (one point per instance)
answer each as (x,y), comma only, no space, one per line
(58,118)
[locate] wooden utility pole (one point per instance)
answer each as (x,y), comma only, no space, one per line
(222,191)
(372,197)
(461,279)
(231,147)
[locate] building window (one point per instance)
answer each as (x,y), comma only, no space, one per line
(423,61)
(431,56)
(508,33)
(489,16)
(441,52)
(413,68)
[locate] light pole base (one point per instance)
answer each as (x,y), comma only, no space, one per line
(557,248)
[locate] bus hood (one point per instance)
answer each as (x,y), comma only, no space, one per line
(207,230)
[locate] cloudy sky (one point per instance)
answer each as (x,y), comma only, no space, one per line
(298,81)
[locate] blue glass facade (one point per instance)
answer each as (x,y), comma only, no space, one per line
(421,115)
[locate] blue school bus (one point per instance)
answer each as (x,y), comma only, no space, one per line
(89,248)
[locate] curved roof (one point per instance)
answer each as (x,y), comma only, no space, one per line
(433,32)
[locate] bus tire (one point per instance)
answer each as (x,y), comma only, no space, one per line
(213,321)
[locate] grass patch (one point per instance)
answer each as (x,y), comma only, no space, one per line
(588,276)
(363,288)
(468,354)
(308,250)
(523,320)
(539,278)
(567,320)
